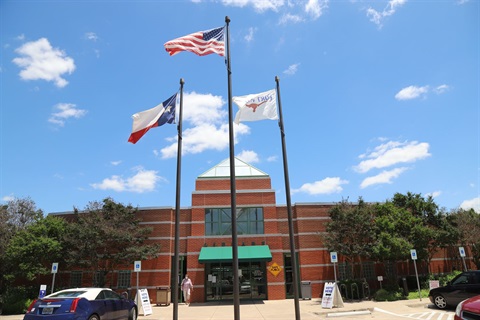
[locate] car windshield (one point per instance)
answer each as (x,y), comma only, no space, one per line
(67,294)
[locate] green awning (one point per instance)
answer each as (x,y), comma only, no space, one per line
(245,253)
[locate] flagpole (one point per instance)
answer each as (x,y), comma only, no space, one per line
(177,208)
(289,205)
(236,284)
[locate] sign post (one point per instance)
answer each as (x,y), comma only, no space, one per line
(334,259)
(380,279)
(462,254)
(137,267)
(43,291)
(413,253)
(54,271)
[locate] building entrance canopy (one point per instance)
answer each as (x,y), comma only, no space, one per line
(245,253)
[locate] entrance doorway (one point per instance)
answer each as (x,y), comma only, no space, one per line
(219,281)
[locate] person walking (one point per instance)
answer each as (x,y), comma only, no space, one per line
(187,289)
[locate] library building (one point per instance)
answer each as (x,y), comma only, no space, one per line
(264,256)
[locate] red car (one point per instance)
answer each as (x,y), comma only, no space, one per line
(468,309)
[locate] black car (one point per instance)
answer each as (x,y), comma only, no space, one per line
(463,286)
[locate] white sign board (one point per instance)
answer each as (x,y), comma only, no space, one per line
(433,284)
(380,278)
(333,257)
(413,253)
(331,296)
(145,306)
(137,266)
(462,252)
(54,267)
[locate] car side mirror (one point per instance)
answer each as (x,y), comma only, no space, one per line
(124,295)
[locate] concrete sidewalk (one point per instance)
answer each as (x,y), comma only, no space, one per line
(285,310)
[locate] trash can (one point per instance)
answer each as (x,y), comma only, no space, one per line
(163,296)
(306,290)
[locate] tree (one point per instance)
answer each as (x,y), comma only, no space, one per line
(393,235)
(468,226)
(32,250)
(107,235)
(434,232)
(350,231)
(15,216)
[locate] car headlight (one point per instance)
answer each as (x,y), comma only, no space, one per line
(458,310)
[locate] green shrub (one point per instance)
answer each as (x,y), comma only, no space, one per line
(16,301)
(385,295)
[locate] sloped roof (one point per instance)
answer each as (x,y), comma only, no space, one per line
(242,169)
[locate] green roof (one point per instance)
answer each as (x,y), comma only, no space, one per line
(245,253)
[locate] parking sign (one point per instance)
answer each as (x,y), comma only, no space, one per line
(413,253)
(333,257)
(54,267)
(462,252)
(137,266)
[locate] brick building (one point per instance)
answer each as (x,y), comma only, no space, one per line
(265,267)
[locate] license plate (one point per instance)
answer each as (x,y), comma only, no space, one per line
(48,310)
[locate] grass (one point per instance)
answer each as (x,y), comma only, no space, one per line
(414,294)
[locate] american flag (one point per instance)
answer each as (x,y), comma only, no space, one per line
(200,43)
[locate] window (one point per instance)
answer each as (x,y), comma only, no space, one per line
(368,270)
(76,279)
(124,279)
(219,221)
(98,279)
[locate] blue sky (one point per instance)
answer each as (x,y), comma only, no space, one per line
(378,97)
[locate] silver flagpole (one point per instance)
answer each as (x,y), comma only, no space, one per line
(289,205)
(177,208)
(236,284)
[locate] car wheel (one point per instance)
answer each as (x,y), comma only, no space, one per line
(94,317)
(440,302)
(132,314)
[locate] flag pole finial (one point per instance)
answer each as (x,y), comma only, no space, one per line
(227,19)
(182,81)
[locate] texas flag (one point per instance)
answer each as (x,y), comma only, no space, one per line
(254,107)
(155,117)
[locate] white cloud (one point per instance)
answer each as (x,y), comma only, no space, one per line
(272,159)
(249,36)
(411,92)
(441,89)
(292,69)
(326,186)
(142,181)
(64,112)
(290,18)
(10,197)
(383,177)
(115,163)
(471,204)
(377,17)
(434,194)
(42,62)
(208,130)
(260,6)
(91,36)
(392,153)
(315,8)
(248,156)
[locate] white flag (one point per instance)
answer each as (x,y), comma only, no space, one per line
(254,107)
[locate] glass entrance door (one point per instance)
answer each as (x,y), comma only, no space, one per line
(219,282)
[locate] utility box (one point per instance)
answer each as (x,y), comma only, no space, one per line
(163,296)
(306,290)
